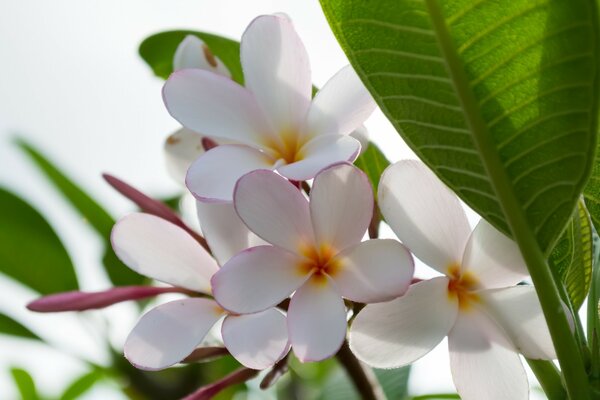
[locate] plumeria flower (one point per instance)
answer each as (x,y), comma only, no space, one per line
(315,253)
(272,123)
(168,333)
(488,320)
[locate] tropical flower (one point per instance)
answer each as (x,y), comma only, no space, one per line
(488,320)
(168,333)
(272,123)
(315,253)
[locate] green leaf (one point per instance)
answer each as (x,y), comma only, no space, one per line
(500,99)
(31,252)
(94,214)
(9,326)
(81,385)
(25,384)
(158,51)
(394,382)
(439,396)
(572,256)
(373,163)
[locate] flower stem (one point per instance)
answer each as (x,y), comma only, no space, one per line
(364,380)
(549,377)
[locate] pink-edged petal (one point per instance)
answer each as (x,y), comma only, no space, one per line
(373,271)
(168,333)
(341,206)
(425,215)
(518,311)
(494,259)
(397,333)
(192,52)
(362,135)
(277,70)
(257,278)
(224,231)
(216,106)
(321,152)
(258,340)
(483,362)
(212,177)
(274,209)
(163,251)
(316,320)
(181,149)
(341,106)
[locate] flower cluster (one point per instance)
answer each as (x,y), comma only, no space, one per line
(288,267)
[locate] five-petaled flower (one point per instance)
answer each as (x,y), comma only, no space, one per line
(488,320)
(271,123)
(316,253)
(168,333)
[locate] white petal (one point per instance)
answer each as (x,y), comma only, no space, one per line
(397,333)
(216,106)
(182,148)
(257,278)
(316,320)
(518,311)
(212,177)
(484,365)
(373,271)
(424,214)
(341,205)
(341,106)
(256,340)
(168,333)
(319,153)
(163,251)
(224,231)
(277,70)
(495,259)
(362,135)
(192,52)
(274,209)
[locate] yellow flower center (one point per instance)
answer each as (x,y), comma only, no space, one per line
(462,287)
(287,146)
(319,261)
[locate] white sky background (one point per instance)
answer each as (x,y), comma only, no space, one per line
(72,83)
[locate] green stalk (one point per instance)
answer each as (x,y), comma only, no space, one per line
(549,377)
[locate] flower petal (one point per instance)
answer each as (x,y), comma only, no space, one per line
(362,135)
(163,251)
(216,106)
(341,106)
(274,209)
(257,278)
(319,153)
(168,333)
(518,311)
(224,231)
(256,340)
(316,320)
(277,70)
(341,205)
(495,259)
(212,177)
(484,365)
(425,215)
(373,271)
(397,333)
(181,149)
(192,52)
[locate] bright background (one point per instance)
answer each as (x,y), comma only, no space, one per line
(72,83)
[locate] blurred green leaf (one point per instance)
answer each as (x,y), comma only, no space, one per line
(373,163)
(25,384)
(394,382)
(572,256)
(9,326)
(98,218)
(81,385)
(437,396)
(31,252)
(158,51)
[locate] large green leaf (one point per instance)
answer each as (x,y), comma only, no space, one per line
(25,384)
(373,163)
(394,383)
(31,252)
(94,214)
(499,98)
(158,51)
(9,326)
(572,256)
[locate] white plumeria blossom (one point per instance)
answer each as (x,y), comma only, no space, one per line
(272,121)
(168,333)
(315,253)
(488,320)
